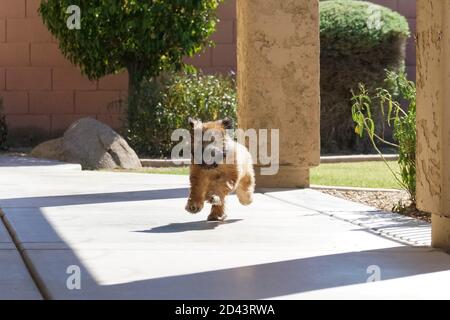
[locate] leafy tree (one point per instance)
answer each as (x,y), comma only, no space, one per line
(144,37)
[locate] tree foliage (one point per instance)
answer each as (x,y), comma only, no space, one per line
(145,37)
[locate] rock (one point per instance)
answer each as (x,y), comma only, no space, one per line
(92,144)
(51,149)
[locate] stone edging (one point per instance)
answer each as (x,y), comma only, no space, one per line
(164,163)
(338,188)
(358,158)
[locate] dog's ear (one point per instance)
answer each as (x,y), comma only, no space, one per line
(193,122)
(227,123)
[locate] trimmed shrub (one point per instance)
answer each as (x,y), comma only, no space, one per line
(144,37)
(165,103)
(359,42)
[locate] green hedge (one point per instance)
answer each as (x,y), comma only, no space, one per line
(166,103)
(359,41)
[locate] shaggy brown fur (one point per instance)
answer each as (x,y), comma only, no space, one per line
(213,182)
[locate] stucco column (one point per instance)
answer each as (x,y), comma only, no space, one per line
(433,116)
(278,82)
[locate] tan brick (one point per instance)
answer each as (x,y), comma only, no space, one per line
(2,30)
(412,25)
(28,78)
(71,79)
(411,72)
(27,30)
(40,122)
(15,102)
(203,59)
(53,102)
(14,54)
(2,79)
(224,32)
(32,7)
(220,70)
(114,82)
(60,122)
(227,10)
(97,102)
(47,54)
(407,8)
(411,52)
(224,55)
(12,8)
(114,120)
(391,4)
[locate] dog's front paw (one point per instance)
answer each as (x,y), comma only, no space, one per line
(193,207)
(215,200)
(216,218)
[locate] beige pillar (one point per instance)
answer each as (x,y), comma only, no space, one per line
(433,116)
(278,81)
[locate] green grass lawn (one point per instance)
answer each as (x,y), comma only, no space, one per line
(357,174)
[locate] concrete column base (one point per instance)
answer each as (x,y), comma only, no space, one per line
(440,232)
(287,177)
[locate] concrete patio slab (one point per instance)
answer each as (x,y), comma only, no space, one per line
(391,225)
(15,281)
(35,164)
(130,238)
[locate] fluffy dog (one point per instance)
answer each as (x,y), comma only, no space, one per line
(212,179)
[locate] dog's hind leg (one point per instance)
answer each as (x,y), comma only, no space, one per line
(245,190)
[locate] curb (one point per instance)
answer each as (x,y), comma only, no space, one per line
(164,163)
(358,158)
(338,188)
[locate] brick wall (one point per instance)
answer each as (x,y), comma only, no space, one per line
(222,58)
(408,9)
(42,92)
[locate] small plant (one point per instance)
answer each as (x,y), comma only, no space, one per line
(3,129)
(403,122)
(143,37)
(166,102)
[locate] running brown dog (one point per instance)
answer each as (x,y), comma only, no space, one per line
(212,181)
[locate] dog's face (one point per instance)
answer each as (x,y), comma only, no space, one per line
(208,143)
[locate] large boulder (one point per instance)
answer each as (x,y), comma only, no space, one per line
(92,144)
(51,149)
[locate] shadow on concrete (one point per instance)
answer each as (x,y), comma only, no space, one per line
(282,278)
(26,161)
(95,198)
(260,281)
(189,226)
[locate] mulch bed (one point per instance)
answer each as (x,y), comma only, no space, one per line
(397,202)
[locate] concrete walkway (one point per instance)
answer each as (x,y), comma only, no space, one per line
(129,237)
